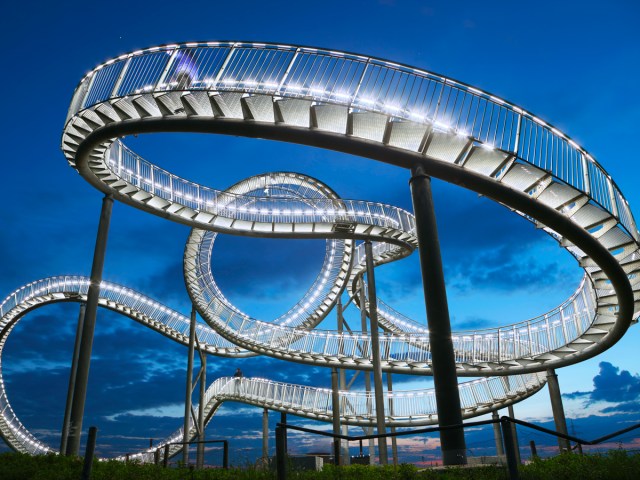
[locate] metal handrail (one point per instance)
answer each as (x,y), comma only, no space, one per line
(504,421)
(361,83)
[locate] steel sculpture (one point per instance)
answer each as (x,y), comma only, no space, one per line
(394,113)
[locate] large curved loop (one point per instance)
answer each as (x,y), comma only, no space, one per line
(384,111)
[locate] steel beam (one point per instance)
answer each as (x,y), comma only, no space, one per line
(375,353)
(558,409)
(367,374)
(514,435)
(88,327)
(342,382)
(72,381)
(189,388)
(201,425)
(454,450)
(265,438)
(497,435)
(394,442)
(335,410)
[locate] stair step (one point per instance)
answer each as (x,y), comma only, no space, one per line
(447,147)
(293,112)
(259,108)
(484,161)
(367,125)
(407,135)
(332,118)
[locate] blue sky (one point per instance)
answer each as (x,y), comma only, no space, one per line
(574,64)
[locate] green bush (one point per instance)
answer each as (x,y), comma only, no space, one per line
(617,464)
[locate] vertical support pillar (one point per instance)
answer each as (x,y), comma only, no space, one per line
(335,408)
(514,435)
(88,454)
(342,382)
(189,388)
(497,434)
(510,451)
(375,353)
(394,442)
(72,381)
(454,450)
(201,426)
(283,420)
(265,438)
(88,327)
(367,374)
(281,453)
(558,409)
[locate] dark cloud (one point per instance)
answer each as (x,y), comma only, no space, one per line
(472,323)
(505,268)
(266,269)
(614,386)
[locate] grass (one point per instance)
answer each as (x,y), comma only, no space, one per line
(617,464)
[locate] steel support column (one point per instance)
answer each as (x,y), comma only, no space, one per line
(514,435)
(558,409)
(265,438)
(283,420)
(375,353)
(72,381)
(394,443)
(367,375)
(189,388)
(88,327)
(454,450)
(203,390)
(335,410)
(497,434)
(342,383)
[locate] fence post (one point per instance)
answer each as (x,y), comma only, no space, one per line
(281,457)
(509,449)
(225,455)
(88,454)
(534,452)
(165,461)
(156,457)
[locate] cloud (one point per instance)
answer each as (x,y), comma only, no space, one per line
(613,386)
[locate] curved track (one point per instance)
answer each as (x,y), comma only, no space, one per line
(409,408)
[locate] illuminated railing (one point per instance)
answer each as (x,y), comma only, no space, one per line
(362,84)
(402,408)
(268,209)
(118,298)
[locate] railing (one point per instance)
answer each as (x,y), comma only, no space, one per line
(271,208)
(401,405)
(539,335)
(530,337)
(360,83)
(505,424)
